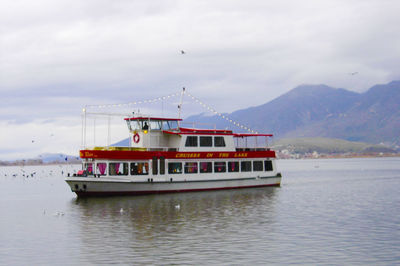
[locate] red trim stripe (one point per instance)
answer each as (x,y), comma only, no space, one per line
(148,155)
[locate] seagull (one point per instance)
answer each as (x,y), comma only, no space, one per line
(177,207)
(353,73)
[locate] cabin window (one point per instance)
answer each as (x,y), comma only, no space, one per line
(233,166)
(219,142)
(174,168)
(145,125)
(102,168)
(205,141)
(191,141)
(165,125)
(245,166)
(155,165)
(268,165)
(191,168)
(257,166)
(118,168)
(89,168)
(140,168)
(162,165)
(133,125)
(219,167)
(155,125)
(173,124)
(205,167)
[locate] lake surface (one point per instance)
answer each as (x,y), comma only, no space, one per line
(333,211)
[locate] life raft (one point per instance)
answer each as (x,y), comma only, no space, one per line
(136,138)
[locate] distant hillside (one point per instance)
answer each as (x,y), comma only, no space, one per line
(328,146)
(322,111)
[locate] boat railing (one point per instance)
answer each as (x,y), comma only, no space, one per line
(252,149)
(115,148)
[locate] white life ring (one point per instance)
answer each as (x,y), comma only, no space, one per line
(136,138)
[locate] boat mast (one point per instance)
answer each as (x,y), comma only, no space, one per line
(180,105)
(84,127)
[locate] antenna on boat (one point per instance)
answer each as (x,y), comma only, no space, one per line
(180,103)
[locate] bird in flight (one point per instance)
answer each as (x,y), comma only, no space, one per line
(353,73)
(183,52)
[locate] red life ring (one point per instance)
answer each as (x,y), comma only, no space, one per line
(136,138)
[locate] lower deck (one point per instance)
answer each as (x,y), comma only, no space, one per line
(160,169)
(158,175)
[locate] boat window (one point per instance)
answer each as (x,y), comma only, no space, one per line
(173,124)
(165,125)
(101,168)
(233,166)
(205,141)
(133,125)
(245,166)
(174,168)
(257,166)
(205,167)
(191,168)
(155,125)
(219,167)
(268,165)
(145,125)
(162,165)
(89,168)
(219,142)
(118,168)
(191,141)
(155,165)
(140,168)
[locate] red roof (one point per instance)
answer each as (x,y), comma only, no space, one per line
(194,131)
(241,135)
(210,131)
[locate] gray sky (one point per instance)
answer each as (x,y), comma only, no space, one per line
(57,56)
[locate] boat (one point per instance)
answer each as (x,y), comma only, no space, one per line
(165,157)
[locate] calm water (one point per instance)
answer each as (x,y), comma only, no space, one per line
(338,211)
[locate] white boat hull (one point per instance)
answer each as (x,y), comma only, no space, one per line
(89,186)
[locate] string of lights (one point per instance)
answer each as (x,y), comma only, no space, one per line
(158,99)
(209,108)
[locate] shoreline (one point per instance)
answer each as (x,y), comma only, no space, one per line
(337,156)
(285,157)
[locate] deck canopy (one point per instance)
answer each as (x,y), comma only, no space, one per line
(244,135)
(194,131)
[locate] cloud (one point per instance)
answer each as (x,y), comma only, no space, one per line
(58,56)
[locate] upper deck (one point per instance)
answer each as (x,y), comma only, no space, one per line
(165,134)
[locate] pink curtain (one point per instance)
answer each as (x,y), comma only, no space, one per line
(102,168)
(117,168)
(204,166)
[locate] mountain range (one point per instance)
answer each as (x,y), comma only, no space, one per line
(323,111)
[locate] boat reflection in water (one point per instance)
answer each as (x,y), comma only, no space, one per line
(149,228)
